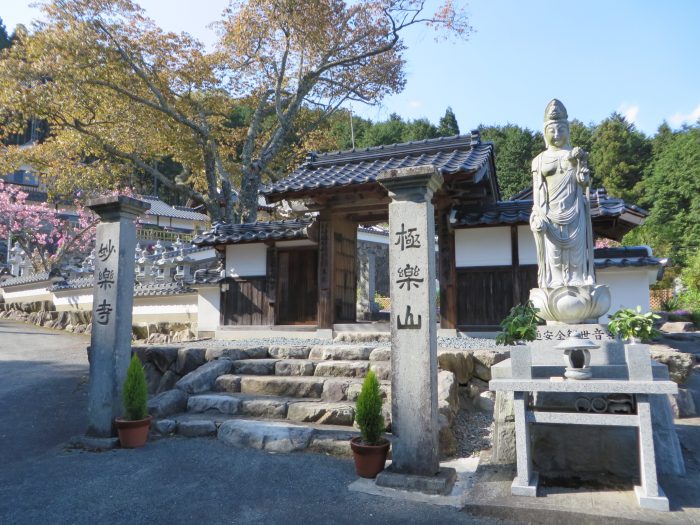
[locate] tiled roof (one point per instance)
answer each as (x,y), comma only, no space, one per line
(73,284)
(162,209)
(517,211)
(449,155)
(211,276)
(25,279)
(623,256)
(157,289)
(224,233)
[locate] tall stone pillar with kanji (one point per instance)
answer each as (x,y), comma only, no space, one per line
(113,298)
(414,401)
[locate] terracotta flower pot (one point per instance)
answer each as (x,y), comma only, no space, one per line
(133,434)
(369,459)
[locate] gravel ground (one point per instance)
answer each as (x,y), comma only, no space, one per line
(473,430)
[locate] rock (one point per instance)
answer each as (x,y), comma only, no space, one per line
(189,359)
(163,357)
(289,352)
(356,386)
(683,404)
(202,379)
(333,446)
(335,390)
(448,399)
(459,362)
(680,365)
(294,367)
(220,403)
(381,353)
(228,383)
(167,403)
(268,408)
(486,401)
(164,427)
(153,377)
(484,359)
(342,369)
(237,352)
(264,435)
(258,367)
(677,327)
(196,428)
(289,386)
(323,413)
(140,331)
(340,352)
(447,441)
(168,381)
(382,369)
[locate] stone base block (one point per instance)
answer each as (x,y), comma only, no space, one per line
(659,502)
(529,490)
(439,484)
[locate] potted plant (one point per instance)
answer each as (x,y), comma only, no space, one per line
(633,326)
(370,448)
(133,427)
(520,325)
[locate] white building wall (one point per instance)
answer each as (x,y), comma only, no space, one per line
(246,260)
(76,300)
(482,247)
(27,294)
(208,303)
(629,287)
(527,251)
(165,309)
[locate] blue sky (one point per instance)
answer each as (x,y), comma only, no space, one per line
(638,57)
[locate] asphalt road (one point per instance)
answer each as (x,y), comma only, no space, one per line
(43,380)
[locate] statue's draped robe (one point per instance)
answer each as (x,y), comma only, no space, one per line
(564,254)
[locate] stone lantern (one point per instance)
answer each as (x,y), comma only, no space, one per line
(577,356)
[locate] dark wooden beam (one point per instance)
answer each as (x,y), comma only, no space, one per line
(515,264)
(447,270)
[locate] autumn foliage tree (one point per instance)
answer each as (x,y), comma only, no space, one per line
(119,93)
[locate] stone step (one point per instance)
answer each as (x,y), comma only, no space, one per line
(341,368)
(258,367)
(272,407)
(270,435)
(332,389)
(341,352)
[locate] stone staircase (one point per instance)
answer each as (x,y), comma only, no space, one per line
(277,398)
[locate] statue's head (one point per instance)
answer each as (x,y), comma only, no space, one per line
(556,125)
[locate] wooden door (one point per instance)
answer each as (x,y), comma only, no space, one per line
(297,286)
(245,302)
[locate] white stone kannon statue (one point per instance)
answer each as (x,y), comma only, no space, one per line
(561,223)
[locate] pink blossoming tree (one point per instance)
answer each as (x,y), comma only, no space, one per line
(48,236)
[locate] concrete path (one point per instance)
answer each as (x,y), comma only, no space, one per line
(42,395)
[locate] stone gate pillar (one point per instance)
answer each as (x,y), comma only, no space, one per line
(112,302)
(415,456)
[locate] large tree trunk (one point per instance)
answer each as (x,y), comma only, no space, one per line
(247,207)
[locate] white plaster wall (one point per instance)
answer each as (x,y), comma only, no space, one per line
(372,237)
(79,300)
(21,294)
(171,309)
(208,302)
(246,260)
(629,287)
(209,253)
(527,251)
(482,247)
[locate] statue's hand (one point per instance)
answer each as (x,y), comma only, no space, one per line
(537,223)
(583,176)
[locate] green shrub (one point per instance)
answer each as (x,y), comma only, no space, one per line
(627,323)
(135,391)
(368,411)
(671,304)
(520,325)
